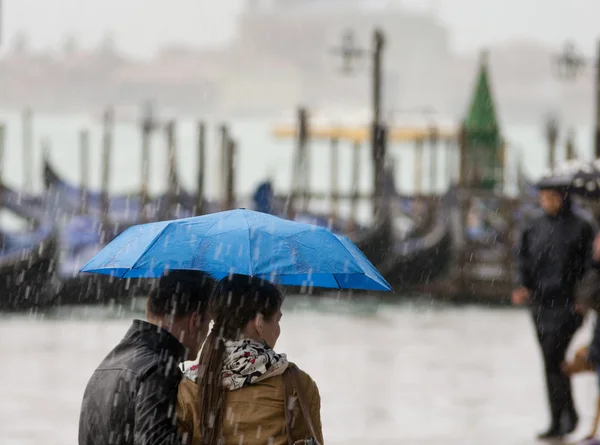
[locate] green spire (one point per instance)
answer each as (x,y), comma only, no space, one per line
(480,123)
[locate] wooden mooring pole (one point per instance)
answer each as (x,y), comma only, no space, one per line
(304,150)
(171,168)
(299,185)
(2,147)
(230,174)
(302,169)
(451,170)
(2,150)
(223,160)
(334,192)
(597,104)
(108,121)
(27,150)
(201,174)
(46,147)
(463,161)
(147,126)
(355,181)
(419,166)
(551,138)
(378,136)
(84,168)
(571,151)
(433,153)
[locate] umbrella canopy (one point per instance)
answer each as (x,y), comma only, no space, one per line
(243,242)
(579,177)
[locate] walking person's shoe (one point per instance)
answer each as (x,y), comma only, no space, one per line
(570,421)
(554,432)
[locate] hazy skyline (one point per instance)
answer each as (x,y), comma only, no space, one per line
(140,27)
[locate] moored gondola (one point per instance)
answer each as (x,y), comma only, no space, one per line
(28,259)
(422,255)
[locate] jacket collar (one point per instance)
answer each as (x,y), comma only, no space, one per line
(157,339)
(562,214)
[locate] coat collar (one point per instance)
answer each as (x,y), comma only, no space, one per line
(157,339)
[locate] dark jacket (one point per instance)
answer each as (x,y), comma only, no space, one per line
(554,254)
(131,397)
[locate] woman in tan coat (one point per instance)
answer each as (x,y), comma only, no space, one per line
(245,403)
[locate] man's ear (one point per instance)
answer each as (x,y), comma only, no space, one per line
(147,308)
(194,322)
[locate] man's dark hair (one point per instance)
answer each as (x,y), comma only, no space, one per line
(181,292)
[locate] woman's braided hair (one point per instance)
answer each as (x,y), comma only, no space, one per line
(236,300)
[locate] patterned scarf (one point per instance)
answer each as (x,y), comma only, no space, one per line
(246,362)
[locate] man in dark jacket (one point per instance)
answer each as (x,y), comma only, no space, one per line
(131,397)
(555,251)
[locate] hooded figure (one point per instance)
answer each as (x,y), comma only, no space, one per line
(263,198)
(555,252)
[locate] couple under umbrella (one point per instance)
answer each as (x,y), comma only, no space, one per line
(223,267)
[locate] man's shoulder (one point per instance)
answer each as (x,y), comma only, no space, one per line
(132,359)
(583,222)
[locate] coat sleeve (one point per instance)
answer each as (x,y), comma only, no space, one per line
(187,418)
(313,399)
(523,278)
(315,413)
(155,402)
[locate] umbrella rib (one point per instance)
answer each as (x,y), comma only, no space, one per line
(336,281)
(149,247)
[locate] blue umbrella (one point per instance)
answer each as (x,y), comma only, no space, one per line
(243,242)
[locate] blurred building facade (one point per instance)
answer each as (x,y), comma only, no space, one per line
(283,54)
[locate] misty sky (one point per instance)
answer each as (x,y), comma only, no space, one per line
(141,26)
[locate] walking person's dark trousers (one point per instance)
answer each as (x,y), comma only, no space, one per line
(555,329)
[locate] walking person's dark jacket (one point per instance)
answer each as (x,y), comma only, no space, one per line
(554,254)
(132,395)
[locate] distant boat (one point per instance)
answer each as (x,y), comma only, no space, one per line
(420,256)
(76,239)
(82,237)
(27,266)
(123,208)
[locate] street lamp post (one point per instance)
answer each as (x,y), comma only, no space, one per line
(568,65)
(378,130)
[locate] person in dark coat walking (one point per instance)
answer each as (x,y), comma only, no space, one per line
(131,397)
(555,252)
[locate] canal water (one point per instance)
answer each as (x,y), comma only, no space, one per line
(404,373)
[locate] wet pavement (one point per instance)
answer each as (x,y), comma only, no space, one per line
(388,374)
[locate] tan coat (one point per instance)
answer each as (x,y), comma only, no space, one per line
(254,414)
